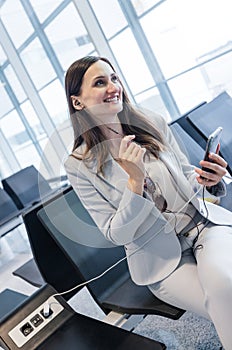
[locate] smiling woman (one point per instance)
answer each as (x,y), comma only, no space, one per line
(99,104)
(101,92)
(143,194)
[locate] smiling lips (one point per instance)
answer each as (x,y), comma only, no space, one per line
(112,99)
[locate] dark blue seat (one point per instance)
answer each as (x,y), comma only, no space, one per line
(9,300)
(65,263)
(26,187)
(209,117)
(188,145)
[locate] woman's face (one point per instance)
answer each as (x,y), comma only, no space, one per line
(101,91)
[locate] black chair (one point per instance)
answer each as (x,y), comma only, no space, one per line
(188,145)
(65,263)
(10,300)
(26,328)
(188,127)
(27,187)
(10,215)
(209,116)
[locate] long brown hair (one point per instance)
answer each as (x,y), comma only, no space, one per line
(133,121)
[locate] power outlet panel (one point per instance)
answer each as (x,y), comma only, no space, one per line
(35,322)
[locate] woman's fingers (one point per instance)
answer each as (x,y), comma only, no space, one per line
(217,170)
(129,149)
(218,159)
(132,151)
(126,141)
(131,157)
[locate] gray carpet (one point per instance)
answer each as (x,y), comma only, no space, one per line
(190,332)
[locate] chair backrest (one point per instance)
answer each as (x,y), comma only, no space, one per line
(188,145)
(52,262)
(26,187)
(208,117)
(8,208)
(74,231)
(188,127)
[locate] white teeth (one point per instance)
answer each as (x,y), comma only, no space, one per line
(112,99)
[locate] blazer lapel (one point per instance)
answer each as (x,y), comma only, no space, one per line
(112,184)
(114,180)
(180,181)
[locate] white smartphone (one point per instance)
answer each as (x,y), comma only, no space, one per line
(212,145)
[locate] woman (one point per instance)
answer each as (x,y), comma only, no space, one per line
(142,193)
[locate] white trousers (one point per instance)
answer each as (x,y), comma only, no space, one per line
(202,282)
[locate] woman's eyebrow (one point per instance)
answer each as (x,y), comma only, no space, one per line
(99,77)
(103,76)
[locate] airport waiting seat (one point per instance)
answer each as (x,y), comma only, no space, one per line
(209,117)
(65,263)
(10,300)
(188,145)
(188,127)
(26,187)
(10,215)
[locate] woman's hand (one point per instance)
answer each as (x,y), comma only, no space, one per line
(218,166)
(131,159)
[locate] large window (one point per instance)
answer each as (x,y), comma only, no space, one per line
(131,61)
(72,42)
(7,105)
(33,120)
(18,138)
(16,22)
(184,34)
(5,169)
(172,55)
(14,83)
(43,8)
(38,64)
(111,19)
(2,55)
(54,99)
(142,6)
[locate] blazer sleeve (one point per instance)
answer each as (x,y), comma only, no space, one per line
(121,222)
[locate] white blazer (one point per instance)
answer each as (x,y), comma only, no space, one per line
(126,218)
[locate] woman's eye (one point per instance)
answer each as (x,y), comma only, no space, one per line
(114,78)
(99,82)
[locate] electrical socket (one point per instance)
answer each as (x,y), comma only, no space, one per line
(35,322)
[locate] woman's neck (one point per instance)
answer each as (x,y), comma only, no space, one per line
(111,127)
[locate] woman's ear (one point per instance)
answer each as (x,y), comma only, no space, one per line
(76,103)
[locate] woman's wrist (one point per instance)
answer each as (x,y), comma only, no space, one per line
(136,186)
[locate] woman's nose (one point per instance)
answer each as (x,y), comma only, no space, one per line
(112,87)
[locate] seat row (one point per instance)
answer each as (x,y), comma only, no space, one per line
(19,192)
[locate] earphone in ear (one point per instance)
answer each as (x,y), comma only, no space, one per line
(78,105)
